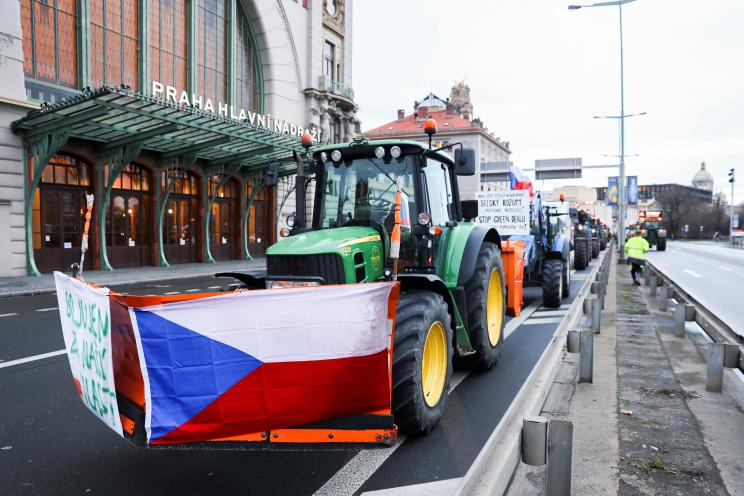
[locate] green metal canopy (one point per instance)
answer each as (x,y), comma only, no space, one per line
(116,117)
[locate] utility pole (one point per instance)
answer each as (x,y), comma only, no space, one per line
(732,180)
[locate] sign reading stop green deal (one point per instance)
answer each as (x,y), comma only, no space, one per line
(86,325)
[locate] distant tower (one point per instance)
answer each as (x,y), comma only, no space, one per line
(460,99)
(703,179)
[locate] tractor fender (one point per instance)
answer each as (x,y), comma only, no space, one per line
(428,282)
(478,235)
(560,249)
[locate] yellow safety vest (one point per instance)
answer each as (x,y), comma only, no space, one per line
(636,247)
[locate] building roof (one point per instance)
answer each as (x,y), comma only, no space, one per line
(448,122)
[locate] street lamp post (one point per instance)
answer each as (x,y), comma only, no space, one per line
(732,180)
(623,200)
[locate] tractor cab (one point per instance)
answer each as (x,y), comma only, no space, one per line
(353,214)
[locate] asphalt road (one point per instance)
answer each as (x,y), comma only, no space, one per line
(711,273)
(49,442)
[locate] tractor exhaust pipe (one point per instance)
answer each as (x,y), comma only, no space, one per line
(301,216)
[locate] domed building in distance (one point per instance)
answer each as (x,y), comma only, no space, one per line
(703,179)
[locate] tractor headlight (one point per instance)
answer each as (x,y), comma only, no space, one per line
(336,155)
(581,227)
(662,232)
(395,152)
(379,152)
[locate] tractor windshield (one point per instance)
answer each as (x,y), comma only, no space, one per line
(363,190)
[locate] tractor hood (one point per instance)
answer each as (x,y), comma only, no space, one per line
(359,250)
(342,240)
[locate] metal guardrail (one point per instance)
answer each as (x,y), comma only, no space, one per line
(494,466)
(718,330)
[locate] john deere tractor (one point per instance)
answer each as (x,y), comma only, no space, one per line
(452,301)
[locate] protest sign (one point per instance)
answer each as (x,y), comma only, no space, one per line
(507,211)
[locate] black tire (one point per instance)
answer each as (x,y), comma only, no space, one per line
(595,248)
(566,292)
(552,282)
(581,254)
(661,244)
(476,293)
(415,314)
(602,244)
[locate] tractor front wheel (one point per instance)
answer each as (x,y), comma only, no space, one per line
(552,282)
(486,300)
(581,254)
(422,361)
(595,248)
(661,244)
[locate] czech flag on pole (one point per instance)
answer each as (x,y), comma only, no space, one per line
(520,180)
(221,366)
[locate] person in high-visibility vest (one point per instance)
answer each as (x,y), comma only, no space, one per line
(635,249)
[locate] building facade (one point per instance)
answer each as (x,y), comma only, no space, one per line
(170,112)
(648,193)
(455,123)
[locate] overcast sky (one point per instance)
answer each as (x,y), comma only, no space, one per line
(539,72)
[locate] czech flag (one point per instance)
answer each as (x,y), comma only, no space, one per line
(520,180)
(227,365)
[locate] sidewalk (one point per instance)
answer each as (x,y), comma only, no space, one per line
(19,286)
(645,425)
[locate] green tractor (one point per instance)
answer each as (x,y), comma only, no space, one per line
(649,222)
(452,302)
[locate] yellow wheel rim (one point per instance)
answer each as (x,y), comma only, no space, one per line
(434,364)
(494,307)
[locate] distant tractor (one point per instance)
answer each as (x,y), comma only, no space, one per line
(548,250)
(452,302)
(586,240)
(649,222)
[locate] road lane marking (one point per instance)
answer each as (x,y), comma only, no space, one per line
(192,290)
(214,287)
(547,320)
(45,309)
(548,312)
(171,293)
(32,358)
(692,273)
(8,314)
(512,325)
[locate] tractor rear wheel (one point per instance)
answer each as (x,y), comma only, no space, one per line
(422,361)
(552,282)
(581,254)
(485,295)
(595,248)
(661,244)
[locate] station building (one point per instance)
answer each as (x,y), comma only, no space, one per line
(170,112)
(455,123)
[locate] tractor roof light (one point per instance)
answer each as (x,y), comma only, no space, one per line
(430,126)
(306,141)
(336,155)
(395,151)
(379,152)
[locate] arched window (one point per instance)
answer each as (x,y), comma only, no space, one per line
(246,68)
(168,42)
(211,50)
(50,41)
(114,30)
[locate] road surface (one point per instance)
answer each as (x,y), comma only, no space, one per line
(711,273)
(49,442)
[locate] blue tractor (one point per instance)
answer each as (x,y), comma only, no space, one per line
(548,250)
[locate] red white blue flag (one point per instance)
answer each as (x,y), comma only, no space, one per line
(255,361)
(520,180)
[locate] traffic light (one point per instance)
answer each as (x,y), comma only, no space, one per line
(731,176)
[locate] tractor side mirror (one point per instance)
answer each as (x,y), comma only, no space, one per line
(465,162)
(272,174)
(469,209)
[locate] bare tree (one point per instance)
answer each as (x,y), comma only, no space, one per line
(675,208)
